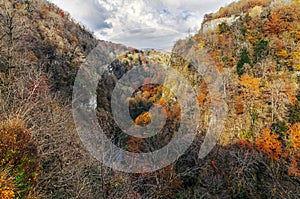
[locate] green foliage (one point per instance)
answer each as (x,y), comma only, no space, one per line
(254,116)
(244,59)
(294,114)
(247,135)
(244,31)
(260,49)
(279,127)
(224,27)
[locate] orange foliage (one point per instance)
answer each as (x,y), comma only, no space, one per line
(203,92)
(73,39)
(146,94)
(239,105)
(144,119)
(6,186)
(201,98)
(220,68)
(44,11)
(280,21)
(269,143)
(162,101)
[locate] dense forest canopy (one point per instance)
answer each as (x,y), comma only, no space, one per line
(254,47)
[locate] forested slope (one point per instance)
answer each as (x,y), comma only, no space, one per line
(254,47)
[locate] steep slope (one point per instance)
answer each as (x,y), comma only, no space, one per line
(257,52)
(254,46)
(42,49)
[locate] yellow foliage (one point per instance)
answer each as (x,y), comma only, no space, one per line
(297,67)
(249,83)
(201,44)
(296,60)
(269,144)
(282,53)
(6,186)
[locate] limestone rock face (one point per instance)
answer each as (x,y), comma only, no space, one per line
(256,11)
(213,24)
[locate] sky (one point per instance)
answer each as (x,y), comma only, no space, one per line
(142,24)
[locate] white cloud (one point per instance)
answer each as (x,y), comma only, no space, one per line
(141,23)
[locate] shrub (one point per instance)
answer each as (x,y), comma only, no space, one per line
(269,144)
(294,136)
(294,114)
(18,158)
(279,127)
(247,135)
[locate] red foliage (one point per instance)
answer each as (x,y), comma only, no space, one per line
(294,168)
(214,164)
(244,144)
(136,195)
(61,13)
(39,88)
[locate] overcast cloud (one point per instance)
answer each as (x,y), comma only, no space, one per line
(141,23)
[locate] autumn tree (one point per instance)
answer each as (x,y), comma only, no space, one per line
(277,23)
(244,59)
(260,49)
(250,92)
(269,143)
